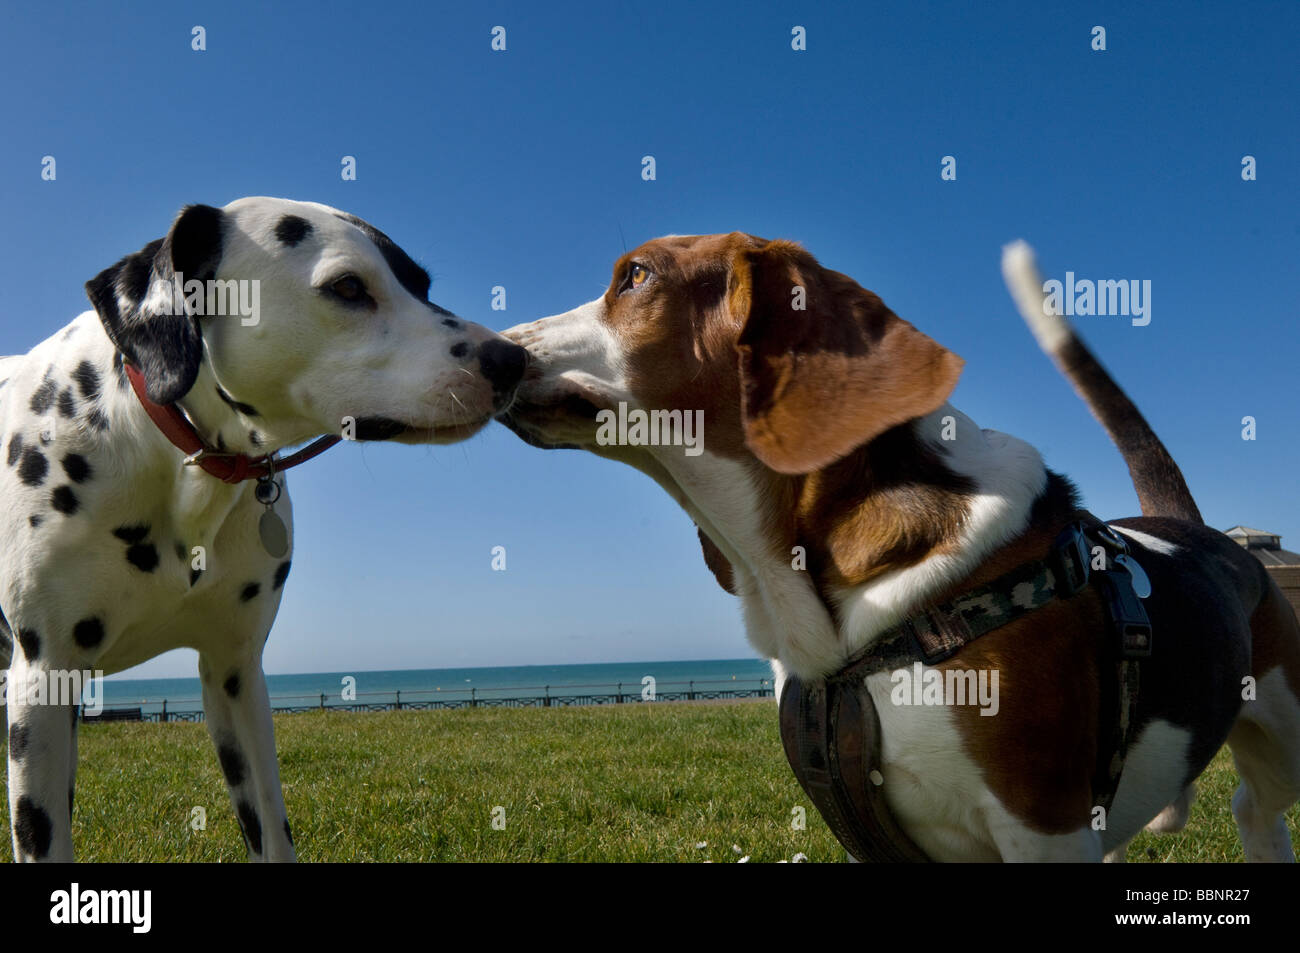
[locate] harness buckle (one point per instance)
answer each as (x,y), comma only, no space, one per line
(1111,539)
(1069,561)
(1128,618)
(937,635)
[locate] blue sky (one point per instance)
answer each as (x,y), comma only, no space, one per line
(522,169)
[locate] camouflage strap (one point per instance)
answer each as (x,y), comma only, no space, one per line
(830,730)
(939,632)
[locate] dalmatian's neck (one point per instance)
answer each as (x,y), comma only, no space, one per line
(222,420)
(199,503)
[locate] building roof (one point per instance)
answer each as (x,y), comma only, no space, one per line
(1265,546)
(1247,531)
(1273,558)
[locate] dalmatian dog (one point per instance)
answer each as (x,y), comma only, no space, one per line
(119,540)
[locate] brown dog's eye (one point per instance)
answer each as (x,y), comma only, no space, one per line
(349,288)
(635,276)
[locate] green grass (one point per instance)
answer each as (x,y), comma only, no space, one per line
(618,783)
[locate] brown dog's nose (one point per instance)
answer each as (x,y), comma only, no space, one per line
(502,363)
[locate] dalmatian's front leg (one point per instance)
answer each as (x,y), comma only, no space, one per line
(42,756)
(238,712)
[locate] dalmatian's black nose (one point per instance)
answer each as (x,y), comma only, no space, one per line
(502,363)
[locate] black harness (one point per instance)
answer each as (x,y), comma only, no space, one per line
(830,728)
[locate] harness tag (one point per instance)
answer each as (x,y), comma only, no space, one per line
(1141,584)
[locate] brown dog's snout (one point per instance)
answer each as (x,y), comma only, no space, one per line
(502,363)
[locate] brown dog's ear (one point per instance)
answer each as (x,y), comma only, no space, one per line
(718,564)
(825,367)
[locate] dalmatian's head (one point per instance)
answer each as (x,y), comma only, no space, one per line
(301,320)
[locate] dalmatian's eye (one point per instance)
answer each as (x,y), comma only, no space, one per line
(349,288)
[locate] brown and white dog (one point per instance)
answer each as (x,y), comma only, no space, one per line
(830,500)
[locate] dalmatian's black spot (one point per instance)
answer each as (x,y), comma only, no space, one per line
(255,438)
(182,553)
(76,467)
(33,468)
(288,833)
(459,349)
(88,633)
(378,428)
(251,826)
(31,644)
(221,442)
(248,410)
(87,378)
(135,533)
(43,399)
(72,329)
(35,521)
(67,405)
(232,764)
(97,420)
(451,322)
(143,556)
(15,448)
(19,737)
(281,574)
(249,592)
(231,685)
(291,230)
(32,828)
(194,576)
(64,500)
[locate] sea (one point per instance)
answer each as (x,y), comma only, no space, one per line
(515,681)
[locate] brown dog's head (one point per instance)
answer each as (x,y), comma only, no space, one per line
(771,398)
(791,364)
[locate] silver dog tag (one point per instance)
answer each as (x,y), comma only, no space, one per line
(274,534)
(1141,584)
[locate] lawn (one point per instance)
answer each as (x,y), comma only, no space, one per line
(619,783)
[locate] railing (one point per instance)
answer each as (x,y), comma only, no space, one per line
(191,709)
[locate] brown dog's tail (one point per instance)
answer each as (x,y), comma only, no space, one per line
(1160,486)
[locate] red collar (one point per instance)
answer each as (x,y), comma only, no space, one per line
(226,467)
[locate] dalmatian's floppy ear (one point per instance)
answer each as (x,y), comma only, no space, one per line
(135,302)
